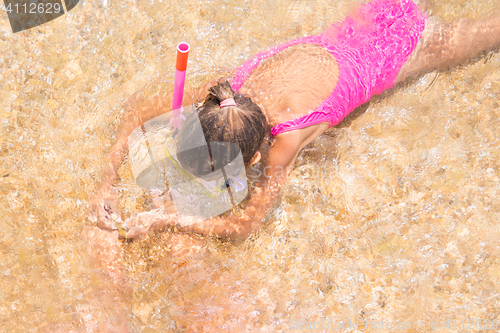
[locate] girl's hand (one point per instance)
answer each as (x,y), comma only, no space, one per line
(233,227)
(239,227)
(139,224)
(103,208)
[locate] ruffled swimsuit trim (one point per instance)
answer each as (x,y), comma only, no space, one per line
(370,48)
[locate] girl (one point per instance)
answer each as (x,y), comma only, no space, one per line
(293,92)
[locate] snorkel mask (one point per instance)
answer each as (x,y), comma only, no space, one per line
(211,179)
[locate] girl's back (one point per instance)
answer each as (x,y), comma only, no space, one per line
(292,83)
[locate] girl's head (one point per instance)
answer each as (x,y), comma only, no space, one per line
(243,124)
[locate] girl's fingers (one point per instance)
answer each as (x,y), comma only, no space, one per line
(102,213)
(139,225)
(105,221)
(137,232)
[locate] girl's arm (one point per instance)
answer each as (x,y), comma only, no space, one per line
(277,166)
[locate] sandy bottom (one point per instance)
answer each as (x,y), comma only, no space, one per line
(391,217)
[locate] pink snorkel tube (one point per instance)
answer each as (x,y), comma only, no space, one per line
(180,77)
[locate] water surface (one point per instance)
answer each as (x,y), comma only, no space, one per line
(393,217)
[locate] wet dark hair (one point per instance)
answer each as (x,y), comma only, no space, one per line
(244,125)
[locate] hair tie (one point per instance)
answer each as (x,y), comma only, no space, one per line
(228,102)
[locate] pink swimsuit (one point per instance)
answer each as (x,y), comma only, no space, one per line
(370,50)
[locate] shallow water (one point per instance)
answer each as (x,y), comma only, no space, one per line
(390,217)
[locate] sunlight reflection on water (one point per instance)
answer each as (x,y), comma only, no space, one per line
(390,217)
